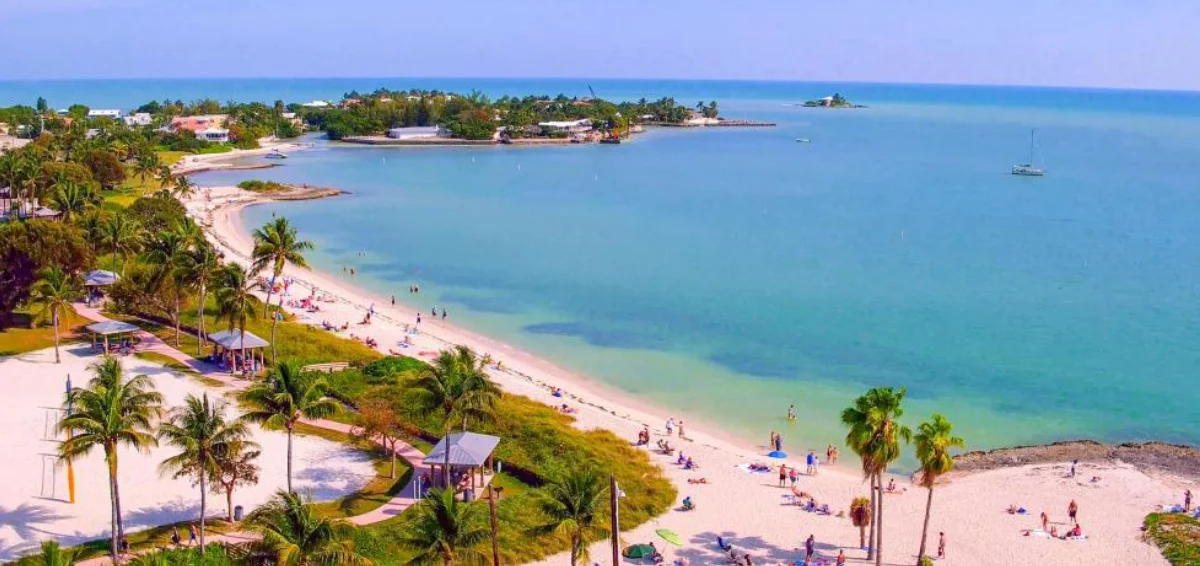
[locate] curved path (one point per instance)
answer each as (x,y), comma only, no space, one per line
(393,507)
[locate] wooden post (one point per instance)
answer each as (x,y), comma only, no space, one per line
(616,546)
(495,526)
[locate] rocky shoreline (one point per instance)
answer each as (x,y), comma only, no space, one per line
(1174,459)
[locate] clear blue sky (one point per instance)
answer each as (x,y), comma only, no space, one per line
(1106,43)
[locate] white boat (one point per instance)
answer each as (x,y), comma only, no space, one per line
(801,140)
(1028,169)
(276,154)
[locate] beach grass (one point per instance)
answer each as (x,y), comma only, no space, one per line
(1177,535)
(23,337)
(537,443)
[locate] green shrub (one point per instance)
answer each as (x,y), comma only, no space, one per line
(1177,536)
(262,186)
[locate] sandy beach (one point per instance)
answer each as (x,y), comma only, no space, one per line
(213,161)
(750,509)
(33,497)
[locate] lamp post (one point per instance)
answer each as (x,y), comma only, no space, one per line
(616,550)
(70,435)
(493,493)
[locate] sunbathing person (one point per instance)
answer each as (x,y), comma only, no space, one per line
(698,480)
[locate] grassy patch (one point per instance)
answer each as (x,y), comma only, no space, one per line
(22,337)
(537,443)
(169,157)
(377,491)
(141,541)
(1177,535)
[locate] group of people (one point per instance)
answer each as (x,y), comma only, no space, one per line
(672,425)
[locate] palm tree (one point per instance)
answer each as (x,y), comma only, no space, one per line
(201,267)
(71,199)
(294,535)
(147,164)
(934,439)
(446,531)
(167,253)
(860,516)
(573,505)
(111,412)
(122,235)
(286,396)
(92,224)
(235,298)
(182,187)
(275,244)
(200,432)
(875,436)
(164,176)
(456,388)
(55,291)
(235,467)
(53,554)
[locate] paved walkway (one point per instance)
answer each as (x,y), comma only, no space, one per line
(397,505)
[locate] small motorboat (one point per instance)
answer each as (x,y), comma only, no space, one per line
(276,154)
(802,140)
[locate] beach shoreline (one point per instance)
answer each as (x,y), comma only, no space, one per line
(743,506)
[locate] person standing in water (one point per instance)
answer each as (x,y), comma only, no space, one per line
(791,412)
(443,313)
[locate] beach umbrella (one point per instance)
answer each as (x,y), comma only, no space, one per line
(638,551)
(777,454)
(670,536)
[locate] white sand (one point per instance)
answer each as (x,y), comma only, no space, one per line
(210,161)
(747,508)
(33,498)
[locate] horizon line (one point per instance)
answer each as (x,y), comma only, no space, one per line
(599,78)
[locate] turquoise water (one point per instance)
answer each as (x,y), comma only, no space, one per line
(728,273)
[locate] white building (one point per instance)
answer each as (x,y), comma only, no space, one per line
(414,133)
(214,135)
(100,113)
(572,126)
(139,119)
(316,104)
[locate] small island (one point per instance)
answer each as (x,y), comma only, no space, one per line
(835,101)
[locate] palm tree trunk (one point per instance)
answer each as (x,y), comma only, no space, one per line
(274,321)
(267,303)
(175,314)
(229,501)
(925,529)
(203,505)
(54,315)
(200,323)
(116,493)
(879,522)
(112,496)
(289,457)
(575,544)
(874,517)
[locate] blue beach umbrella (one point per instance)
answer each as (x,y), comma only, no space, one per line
(777,454)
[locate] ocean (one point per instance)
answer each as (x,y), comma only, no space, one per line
(727,273)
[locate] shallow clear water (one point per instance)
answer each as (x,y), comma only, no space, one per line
(728,273)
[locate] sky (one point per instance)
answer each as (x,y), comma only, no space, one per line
(1147,44)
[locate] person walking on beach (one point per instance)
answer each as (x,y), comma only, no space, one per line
(793,476)
(679,424)
(433,311)
(1073,464)
(670,426)
(1045,521)
(941,545)
(443,313)
(771,442)
(191,534)
(1187,501)
(841,558)
(418,319)
(393,300)
(810,546)
(1073,512)
(809,460)
(783,475)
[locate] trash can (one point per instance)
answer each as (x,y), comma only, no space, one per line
(237,512)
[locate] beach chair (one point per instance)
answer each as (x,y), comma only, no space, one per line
(722,545)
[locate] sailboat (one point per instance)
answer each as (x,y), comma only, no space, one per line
(1027,169)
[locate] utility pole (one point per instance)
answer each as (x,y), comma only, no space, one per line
(616,546)
(492,493)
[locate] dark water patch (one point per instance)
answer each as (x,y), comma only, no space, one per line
(598,336)
(488,304)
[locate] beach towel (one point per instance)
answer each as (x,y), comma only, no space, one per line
(1080,537)
(746,468)
(1039,533)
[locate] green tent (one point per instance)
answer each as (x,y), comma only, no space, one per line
(638,551)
